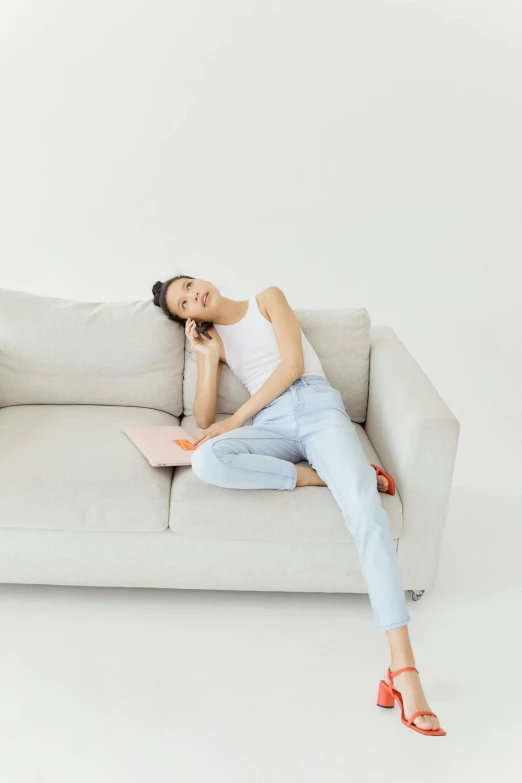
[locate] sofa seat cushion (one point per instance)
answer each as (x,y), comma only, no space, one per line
(306,514)
(69,467)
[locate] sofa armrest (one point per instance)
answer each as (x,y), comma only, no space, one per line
(415,435)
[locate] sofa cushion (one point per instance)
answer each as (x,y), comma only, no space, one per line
(306,514)
(64,352)
(69,467)
(341,339)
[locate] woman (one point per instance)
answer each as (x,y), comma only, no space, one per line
(308,422)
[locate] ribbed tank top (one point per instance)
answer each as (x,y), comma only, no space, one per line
(252,352)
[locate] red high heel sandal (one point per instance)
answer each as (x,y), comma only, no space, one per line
(391,485)
(386,698)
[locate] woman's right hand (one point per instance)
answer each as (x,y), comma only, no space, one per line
(199,342)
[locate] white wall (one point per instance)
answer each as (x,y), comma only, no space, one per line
(352,153)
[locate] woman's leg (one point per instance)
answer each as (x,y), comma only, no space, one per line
(333,448)
(307,477)
(248,458)
(401,654)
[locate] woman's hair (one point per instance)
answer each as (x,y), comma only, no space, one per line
(159,290)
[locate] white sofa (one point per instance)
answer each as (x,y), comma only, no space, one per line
(79,505)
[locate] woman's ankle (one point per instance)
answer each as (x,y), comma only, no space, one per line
(401,664)
(308,477)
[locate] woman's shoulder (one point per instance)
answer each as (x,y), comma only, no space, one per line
(261,301)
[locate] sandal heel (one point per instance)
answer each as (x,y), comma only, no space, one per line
(384,697)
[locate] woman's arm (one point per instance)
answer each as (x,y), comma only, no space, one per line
(209,374)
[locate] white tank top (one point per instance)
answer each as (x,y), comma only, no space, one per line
(251,349)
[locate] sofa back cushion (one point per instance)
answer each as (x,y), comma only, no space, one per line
(60,351)
(341,339)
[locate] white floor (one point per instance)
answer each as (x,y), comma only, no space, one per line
(149,685)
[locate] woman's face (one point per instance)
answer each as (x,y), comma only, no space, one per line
(185,298)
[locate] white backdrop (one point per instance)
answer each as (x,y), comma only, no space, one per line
(352,153)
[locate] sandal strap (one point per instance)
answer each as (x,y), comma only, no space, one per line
(420,712)
(405,669)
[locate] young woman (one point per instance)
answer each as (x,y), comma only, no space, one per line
(296,416)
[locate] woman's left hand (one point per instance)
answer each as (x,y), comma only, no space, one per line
(218,428)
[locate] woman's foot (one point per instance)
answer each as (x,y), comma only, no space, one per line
(409,686)
(382,485)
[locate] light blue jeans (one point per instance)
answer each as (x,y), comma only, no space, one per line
(308,422)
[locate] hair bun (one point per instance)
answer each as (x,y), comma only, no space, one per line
(156,288)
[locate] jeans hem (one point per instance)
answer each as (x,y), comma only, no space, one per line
(393,625)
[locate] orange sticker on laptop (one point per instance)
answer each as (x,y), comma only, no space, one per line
(185,444)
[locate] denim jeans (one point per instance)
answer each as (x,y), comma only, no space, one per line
(308,422)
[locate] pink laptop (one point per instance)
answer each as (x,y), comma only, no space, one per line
(158,444)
